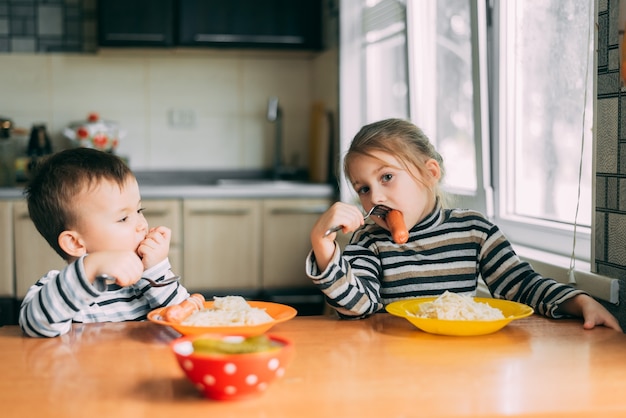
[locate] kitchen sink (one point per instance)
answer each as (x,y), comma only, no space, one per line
(257,183)
(207,178)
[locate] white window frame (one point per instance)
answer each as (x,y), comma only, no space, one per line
(546,245)
(480,199)
(552,237)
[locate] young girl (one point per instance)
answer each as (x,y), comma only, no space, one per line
(393,163)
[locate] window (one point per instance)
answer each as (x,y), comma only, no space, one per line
(386,79)
(544,109)
(443,85)
(373,66)
(516,150)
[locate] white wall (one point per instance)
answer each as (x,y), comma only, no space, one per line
(225,93)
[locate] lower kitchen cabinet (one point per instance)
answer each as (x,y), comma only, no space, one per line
(6,250)
(287,226)
(33,255)
(253,247)
(168,212)
(248,244)
(221,240)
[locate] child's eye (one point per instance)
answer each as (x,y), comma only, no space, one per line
(386,177)
(124,219)
(140,210)
(363,190)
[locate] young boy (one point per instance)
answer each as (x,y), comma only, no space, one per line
(86,204)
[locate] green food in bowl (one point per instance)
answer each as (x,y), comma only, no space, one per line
(233,345)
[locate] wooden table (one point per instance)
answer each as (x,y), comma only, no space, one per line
(378,367)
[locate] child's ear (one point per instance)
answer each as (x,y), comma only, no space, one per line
(433,168)
(72,244)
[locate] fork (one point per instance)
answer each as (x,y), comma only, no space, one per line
(106,279)
(376,210)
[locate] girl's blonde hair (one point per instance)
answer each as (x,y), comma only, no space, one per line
(401,139)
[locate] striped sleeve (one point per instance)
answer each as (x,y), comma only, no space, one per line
(508,277)
(350,295)
(62,297)
(448,250)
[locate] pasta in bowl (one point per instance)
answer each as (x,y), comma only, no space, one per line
(459,315)
(254,319)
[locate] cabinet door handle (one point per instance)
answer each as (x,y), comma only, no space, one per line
(222,212)
(315,210)
(253,39)
(150,37)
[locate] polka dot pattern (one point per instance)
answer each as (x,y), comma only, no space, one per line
(235,376)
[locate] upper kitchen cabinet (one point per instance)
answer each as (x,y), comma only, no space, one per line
(276,24)
(140,23)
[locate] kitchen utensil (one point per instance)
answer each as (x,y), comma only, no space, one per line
(409,308)
(8,152)
(279,312)
(106,279)
(95,133)
(320,165)
(377,210)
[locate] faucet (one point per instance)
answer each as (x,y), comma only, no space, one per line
(274,114)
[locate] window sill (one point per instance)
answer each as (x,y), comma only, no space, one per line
(557,267)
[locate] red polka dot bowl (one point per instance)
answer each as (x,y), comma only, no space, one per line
(232,376)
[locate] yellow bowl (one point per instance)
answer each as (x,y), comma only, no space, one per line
(510,310)
(280,313)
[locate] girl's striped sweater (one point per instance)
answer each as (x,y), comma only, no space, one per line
(449,250)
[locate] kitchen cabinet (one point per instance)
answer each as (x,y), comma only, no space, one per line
(284,24)
(144,23)
(287,225)
(276,24)
(168,212)
(8,304)
(248,244)
(221,240)
(228,245)
(6,250)
(34,257)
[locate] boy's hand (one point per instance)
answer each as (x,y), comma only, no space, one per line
(155,247)
(125,266)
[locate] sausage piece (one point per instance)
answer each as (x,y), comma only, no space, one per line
(178,313)
(395,222)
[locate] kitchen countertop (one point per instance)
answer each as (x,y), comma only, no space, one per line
(381,366)
(214,184)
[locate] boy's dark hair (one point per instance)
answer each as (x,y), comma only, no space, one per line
(58,179)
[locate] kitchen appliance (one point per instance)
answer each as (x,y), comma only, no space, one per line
(6,125)
(8,153)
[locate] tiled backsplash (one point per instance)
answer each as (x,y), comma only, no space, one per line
(47,26)
(610,215)
(181,109)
